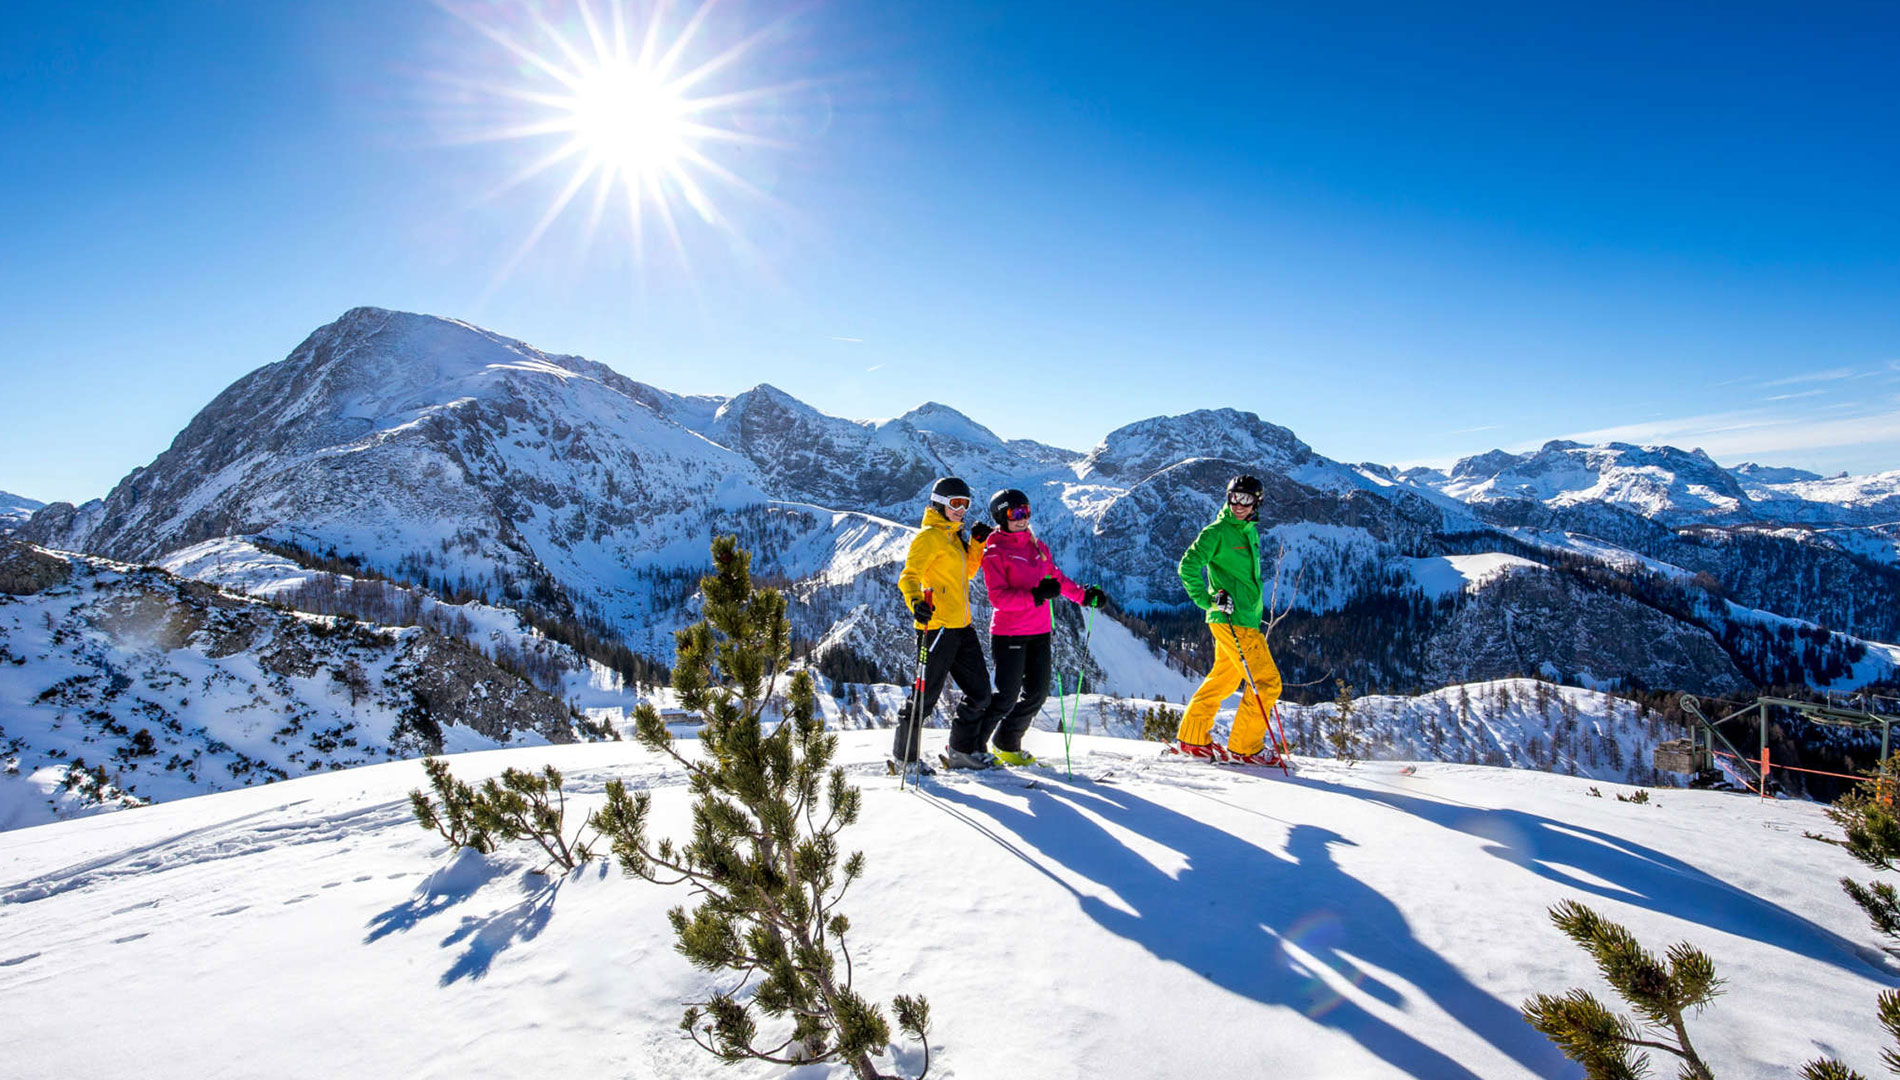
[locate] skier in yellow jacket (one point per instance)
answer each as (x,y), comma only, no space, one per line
(942,560)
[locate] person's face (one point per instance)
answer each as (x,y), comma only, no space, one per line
(1016,519)
(1243,506)
(955,509)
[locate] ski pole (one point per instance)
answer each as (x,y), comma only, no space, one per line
(913,750)
(1260,704)
(1088,631)
(1062,722)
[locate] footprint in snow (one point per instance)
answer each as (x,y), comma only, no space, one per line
(300,899)
(135,907)
(361,877)
(12,960)
(230,911)
(128,937)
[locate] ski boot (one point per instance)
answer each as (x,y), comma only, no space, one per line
(957,759)
(1014,757)
(1262,756)
(1187,751)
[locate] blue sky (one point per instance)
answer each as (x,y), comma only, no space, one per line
(1407,233)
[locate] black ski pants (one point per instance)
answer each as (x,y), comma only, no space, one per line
(1022,685)
(954,654)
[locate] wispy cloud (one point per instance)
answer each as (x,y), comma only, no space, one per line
(874,367)
(850,340)
(1475,430)
(1791,397)
(1754,433)
(1830,375)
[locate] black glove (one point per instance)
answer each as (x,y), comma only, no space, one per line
(1223,601)
(923,609)
(1093,596)
(981,531)
(1046,590)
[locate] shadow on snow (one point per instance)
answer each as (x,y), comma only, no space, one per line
(482,938)
(1289,929)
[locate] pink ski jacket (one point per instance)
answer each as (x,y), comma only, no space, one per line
(1013,562)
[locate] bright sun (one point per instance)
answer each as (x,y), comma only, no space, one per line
(630,121)
(619,95)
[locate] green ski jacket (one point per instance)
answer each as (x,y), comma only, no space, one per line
(1225,556)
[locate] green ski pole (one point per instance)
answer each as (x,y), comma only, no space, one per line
(1088,631)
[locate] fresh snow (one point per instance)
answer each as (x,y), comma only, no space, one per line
(1444,575)
(1144,920)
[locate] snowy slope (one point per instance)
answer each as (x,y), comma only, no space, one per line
(121,684)
(1143,921)
(15,509)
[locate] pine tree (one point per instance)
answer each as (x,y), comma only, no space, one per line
(763,857)
(455,817)
(1607,1045)
(1866,815)
(1610,1047)
(1342,727)
(1160,723)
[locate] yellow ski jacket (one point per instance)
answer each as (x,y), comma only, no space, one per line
(943,560)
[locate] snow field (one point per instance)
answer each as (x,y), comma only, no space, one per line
(1145,920)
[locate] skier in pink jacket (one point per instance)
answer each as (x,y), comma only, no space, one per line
(1022,579)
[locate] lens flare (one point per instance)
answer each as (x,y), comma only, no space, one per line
(625,98)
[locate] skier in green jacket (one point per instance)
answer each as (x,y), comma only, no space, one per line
(1221,573)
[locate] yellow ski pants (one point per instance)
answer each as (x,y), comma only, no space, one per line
(1250,720)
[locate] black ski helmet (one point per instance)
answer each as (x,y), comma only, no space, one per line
(1002,501)
(1246,484)
(949,488)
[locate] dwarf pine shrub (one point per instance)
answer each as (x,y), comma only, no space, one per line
(763,856)
(1866,815)
(1610,1046)
(454,816)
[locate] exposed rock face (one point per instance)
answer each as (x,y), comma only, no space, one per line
(25,570)
(458,685)
(1532,621)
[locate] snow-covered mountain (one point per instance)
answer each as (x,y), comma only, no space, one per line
(451,457)
(15,510)
(1673,487)
(121,685)
(1659,482)
(1140,922)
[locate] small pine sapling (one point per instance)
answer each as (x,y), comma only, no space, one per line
(1160,723)
(1607,1045)
(1342,725)
(1639,797)
(1866,815)
(763,856)
(532,806)
(454,818)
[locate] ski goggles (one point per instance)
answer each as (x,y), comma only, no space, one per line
(958,503)
(1241,498)
(1016,513)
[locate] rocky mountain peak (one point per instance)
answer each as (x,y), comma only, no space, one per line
(1147,446)
(934,418)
